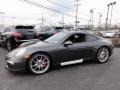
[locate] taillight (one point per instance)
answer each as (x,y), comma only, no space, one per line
(16,34)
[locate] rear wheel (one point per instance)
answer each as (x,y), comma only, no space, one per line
(102,55)
(39,63)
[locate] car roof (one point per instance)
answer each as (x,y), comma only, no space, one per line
(81,32)
(74,32)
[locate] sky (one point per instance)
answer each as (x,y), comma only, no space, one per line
(19,12)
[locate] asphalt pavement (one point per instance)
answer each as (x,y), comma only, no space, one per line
(85,76)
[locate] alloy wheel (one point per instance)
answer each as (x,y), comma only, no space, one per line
(103,55)
(39,64)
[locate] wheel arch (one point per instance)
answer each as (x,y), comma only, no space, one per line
(107,48)
(51,59)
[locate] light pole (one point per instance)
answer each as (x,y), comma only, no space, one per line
(63,20)
(108,5)
(76,17)
(42,21)
(112,11)
(2,16)
(39,23)
(92,17)
(13,22)
(100,16)
(88,24)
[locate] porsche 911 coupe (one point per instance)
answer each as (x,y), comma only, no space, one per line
(61,49)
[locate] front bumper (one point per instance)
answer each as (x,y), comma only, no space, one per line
(15,65)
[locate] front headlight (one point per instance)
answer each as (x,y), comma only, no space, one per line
(20,52)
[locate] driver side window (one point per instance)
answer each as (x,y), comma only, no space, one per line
(76,38)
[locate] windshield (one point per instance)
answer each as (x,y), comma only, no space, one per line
(24,29)
(56,38)
(46,29)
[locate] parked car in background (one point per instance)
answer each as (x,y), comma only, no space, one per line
(116,40)
(46,32)
(61,49)
(98,33)
(15,35)
(1,37)
(109,34)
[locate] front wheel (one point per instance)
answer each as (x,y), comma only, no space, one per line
(39,63)
(102,55)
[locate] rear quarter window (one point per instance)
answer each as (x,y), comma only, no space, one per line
(90,38)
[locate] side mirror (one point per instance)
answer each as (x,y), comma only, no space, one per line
(67,43)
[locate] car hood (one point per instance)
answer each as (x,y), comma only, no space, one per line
(36,46)
(40,44)
(29,43)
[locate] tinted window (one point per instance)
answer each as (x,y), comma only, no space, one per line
(76,38)
(24,30)
(24,27)
(90,38)
(46,29)
(59,30)
(56,38)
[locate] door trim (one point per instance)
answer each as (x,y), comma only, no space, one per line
(72,62)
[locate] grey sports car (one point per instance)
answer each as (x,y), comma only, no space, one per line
(61,49)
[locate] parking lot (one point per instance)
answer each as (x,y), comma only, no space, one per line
(85,76)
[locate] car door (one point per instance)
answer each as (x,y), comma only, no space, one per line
(89,45)
(76,50)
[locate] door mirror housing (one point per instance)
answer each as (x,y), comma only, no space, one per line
(67,43)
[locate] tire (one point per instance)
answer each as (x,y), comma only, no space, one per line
(102,55)
(39,64)
(9,45)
